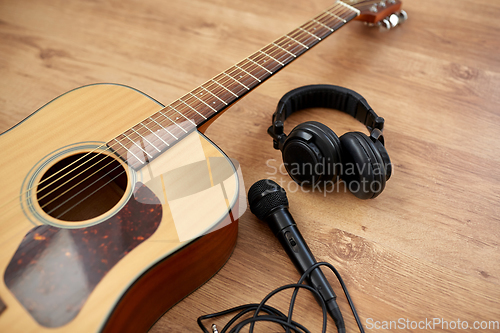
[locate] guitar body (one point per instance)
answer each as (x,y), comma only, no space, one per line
(85,246)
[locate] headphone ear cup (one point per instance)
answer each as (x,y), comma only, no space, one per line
(364,167)
(312,153)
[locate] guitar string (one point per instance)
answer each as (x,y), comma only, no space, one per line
(246,66)
(274,50)
(88,196)
(81,181)
(189,98)
(68,199)
(337,5)
(186,98)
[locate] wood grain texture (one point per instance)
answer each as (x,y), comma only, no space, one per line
(428,247)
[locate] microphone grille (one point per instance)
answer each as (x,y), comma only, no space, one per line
(264,196)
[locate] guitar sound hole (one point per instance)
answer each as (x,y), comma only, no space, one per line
(82,186)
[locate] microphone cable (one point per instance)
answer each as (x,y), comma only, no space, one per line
(273,315)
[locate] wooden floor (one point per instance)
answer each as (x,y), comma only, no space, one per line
(427,247)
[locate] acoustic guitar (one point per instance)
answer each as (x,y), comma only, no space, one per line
(105,225)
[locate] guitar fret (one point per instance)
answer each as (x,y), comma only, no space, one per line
(144,138)
(192,122)
(128,151)
(317,30)
(204,102)
(264,68)
(296,41)
(138,131)
(323,25)
(159,137)
(220,92)
(357,11)
(148,142)
(158,120)
(173,122)
(278,54)
(236,81)
(125,135)
(254,69)
(226,88)
(247,73)
(185,110)
(337,7)
(213,94)
(285,50)
(265,61)
(279,62)
(180,99)
(290,45)
(270,56)
(336,16)
(304,38)
(242,77)
(330,21)
(115,148)
(348,15)
(310,34)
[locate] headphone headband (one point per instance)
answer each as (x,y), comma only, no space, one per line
(324,96)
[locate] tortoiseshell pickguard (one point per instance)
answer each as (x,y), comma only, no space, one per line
(54,270)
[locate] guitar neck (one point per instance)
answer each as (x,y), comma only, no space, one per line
(149,138)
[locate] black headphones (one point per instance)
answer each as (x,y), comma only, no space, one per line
(313,153)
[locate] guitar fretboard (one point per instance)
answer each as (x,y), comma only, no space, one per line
(155,134)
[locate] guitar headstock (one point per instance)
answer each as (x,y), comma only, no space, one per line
(384,13)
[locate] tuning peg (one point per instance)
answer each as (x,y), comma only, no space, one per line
(403,16)
(393,20)
(385,24)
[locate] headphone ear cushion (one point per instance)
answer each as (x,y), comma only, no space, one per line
(364,169)
(312,153)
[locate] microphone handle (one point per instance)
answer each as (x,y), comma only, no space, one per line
(302,258)
(285,229)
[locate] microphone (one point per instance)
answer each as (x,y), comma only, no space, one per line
(269,203)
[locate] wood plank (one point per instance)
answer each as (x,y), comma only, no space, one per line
(427,247)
